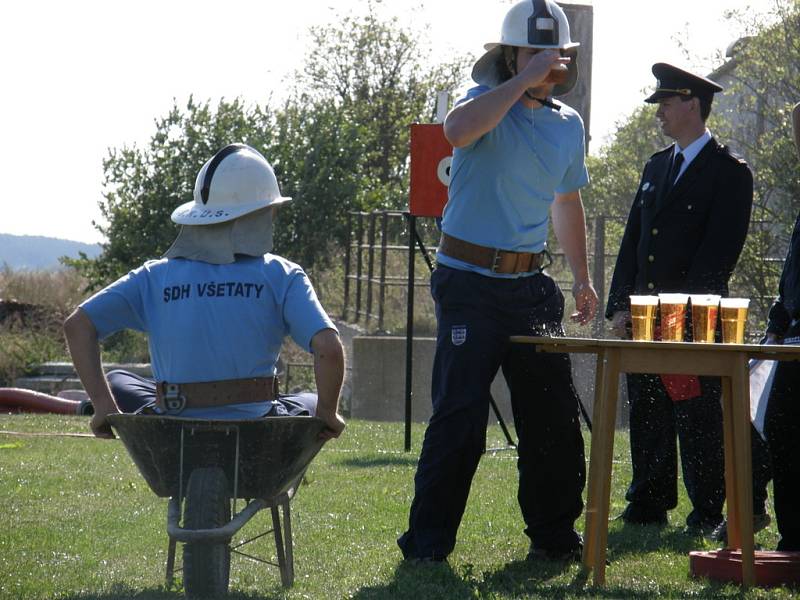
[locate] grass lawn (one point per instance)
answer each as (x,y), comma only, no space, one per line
(79,522)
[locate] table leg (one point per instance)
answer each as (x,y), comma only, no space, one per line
(731,489)
(592,493)
(600,463)
(744,468)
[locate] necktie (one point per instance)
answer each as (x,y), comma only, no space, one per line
(676,168)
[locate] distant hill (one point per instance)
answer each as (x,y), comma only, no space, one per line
(34,252)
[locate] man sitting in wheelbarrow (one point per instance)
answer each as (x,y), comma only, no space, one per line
(216,309)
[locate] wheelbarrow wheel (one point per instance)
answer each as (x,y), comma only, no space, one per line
(206,567)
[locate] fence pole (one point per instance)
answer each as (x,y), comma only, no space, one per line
(359,264)
(382,284)
(370,264)
(347,251)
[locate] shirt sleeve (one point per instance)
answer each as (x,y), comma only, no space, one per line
(116,307)
(303,313)
(576,176)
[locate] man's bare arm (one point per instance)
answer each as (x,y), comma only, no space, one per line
(569,224)
(85,351)
(329,374)
(472,119)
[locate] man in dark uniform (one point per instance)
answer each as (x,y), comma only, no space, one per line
(685,232)
(782,423)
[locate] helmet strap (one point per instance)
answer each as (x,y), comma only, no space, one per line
(543,101)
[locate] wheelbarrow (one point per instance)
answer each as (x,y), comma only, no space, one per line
(204,467)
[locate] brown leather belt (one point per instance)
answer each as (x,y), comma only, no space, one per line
(494,259)
(174,397)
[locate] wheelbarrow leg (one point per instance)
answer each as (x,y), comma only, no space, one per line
(170,563)
(276,527)
(287,525)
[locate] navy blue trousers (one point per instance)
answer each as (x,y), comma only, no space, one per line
(476,315)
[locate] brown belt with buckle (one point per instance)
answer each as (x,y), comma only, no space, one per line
(174,397)
(494,259)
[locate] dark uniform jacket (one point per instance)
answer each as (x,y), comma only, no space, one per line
(688,238)
(787,306)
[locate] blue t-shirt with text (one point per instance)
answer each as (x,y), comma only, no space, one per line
(209,322)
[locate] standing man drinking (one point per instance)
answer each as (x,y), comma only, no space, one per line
(685,231)
(519,157)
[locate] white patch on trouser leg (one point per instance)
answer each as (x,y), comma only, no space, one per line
(458,334)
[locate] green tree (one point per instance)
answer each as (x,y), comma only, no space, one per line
(764,84)
(338,143)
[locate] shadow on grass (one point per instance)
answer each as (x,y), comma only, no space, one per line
(125,592)
(640,539)
(388,460)
(418,581)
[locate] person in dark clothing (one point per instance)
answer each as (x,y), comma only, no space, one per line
(685,231)
(782,421)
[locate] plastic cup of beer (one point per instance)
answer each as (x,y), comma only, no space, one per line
(559,73)
(643,317)
(733,312)
(673,312)
(705,308)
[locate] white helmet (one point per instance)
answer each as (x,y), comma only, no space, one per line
(236,181)
(529,24)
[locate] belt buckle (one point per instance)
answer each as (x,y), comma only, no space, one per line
(174,401)
(495,261)
(549,258)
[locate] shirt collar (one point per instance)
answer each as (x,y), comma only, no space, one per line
(693,149)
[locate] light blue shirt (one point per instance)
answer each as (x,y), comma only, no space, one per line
(209,322)
(690,152)
(503,184)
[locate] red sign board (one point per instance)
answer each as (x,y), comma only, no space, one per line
(431,155)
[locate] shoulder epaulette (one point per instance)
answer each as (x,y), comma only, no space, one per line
(723,150)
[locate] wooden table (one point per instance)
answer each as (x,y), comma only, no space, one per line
(729,361)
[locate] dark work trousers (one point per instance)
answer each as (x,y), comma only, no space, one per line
(782,425)
(133,392)
(476,315)
(654,422)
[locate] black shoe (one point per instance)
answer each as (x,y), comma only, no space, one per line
(556,555)
(720,534)
(637,515)
(701,529)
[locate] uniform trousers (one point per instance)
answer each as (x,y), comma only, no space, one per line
(655,421)
(475,316)
(782,427)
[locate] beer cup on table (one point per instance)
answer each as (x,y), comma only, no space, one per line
(705,308)
(643,317)
(673,312)
(733,313)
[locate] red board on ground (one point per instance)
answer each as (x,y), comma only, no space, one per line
(431,155)
(772,568)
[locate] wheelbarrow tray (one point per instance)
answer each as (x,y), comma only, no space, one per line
(273,452)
